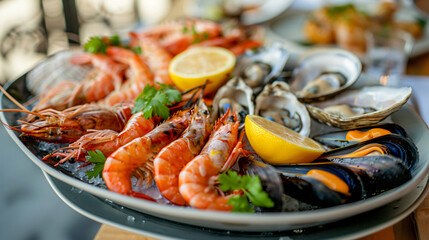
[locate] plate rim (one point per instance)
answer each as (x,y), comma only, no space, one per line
(357,234)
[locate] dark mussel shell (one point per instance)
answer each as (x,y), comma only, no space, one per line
(378,173)
(314,192)
(270,180)
(337,139)
(398,146)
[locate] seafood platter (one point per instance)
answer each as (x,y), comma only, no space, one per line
(123,122)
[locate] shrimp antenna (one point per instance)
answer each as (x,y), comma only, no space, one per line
(191,100)
(13,99)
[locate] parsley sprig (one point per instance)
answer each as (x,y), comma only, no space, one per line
(154,102)
(250,186)
(198,37)
(100,44)
(99,159)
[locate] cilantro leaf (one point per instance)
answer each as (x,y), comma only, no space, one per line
(256,195)
(95,45)
(154,102)
(98,159)
(240,204)
(252,188)
(229,182)
(137,50)
(115,41)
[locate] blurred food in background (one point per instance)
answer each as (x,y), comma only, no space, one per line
(248,12)
(346,25)
(33,29)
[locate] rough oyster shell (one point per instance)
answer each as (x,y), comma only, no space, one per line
(237,93)
(277,98)
(384,100)
(324,73)
(263,65)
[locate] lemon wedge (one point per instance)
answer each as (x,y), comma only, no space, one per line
(194,66)
(277,144)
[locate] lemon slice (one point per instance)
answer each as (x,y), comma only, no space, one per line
(194,66)
(277,144)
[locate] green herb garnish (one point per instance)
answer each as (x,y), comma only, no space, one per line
(251,187)
(98,159)
(154,102)
(421,22)
(340,9)
(100,44)
(95,45)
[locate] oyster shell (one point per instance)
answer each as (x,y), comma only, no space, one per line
(381,99)
(277,103)
(235,94)
(324,73)
(260,67)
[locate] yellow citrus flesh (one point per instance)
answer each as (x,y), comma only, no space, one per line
(277,144)
(194,66)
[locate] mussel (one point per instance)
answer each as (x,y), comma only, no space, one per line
(278,104)
(260,67)
(323,185)
(270,180)
(235,95)
(351,136)
(392,144)
(368,105)
(378,173)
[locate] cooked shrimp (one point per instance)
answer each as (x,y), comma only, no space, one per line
(197,179)
(170,161)
(71,124)
(136,157)
(100,81)
(156,57)
(106,141)
(178,36)
(138,76)
(58,97)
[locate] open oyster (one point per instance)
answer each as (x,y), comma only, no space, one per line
(361,107)
(258,68)
(278,104)
(324,73)
(235,94)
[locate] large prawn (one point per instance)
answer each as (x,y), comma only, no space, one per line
(198,178)
(139,75)
(177,36)
(99,82)
(157,57)
(136,157)
(170,161)
(106,141)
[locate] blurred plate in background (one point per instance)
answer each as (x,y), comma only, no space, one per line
(254,11)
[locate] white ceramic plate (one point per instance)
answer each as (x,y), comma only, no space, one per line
(106,212)
(405,117)
(289,30)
